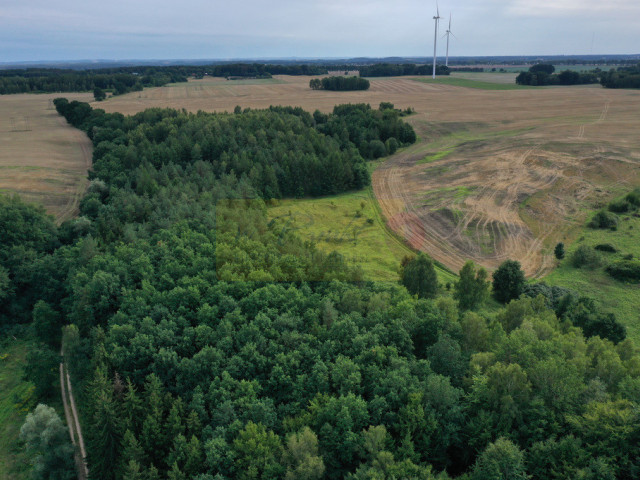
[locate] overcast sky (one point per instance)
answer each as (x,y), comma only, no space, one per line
(163,29)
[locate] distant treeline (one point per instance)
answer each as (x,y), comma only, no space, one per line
(130,79)
(466,69)
(393,70)
(118,81)
(624,77)
(341,84)
(543,74)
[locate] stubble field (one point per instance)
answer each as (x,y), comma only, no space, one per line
(494,174)
(42,158)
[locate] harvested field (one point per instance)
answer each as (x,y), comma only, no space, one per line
(43,158)
(525,165)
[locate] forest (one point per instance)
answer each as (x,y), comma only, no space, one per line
(205,344)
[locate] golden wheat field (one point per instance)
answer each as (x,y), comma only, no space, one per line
(41,157)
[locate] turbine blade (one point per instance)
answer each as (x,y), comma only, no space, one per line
(449,21)
(437,9)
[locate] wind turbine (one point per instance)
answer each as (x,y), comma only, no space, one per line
(448,34)
(435,39)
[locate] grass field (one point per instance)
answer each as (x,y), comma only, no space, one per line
(42,158)
(13,393)
(621,298)
(351,225)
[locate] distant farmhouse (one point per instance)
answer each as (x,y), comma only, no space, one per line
(344,73)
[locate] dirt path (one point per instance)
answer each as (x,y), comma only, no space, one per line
(73,422)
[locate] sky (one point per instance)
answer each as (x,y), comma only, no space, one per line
(33,30)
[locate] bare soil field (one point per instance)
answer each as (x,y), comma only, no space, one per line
(494,175)
(42,158)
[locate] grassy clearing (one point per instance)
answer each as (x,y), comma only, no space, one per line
(15,402)
(621,298)
(469,83)
(437,156)
(350,224)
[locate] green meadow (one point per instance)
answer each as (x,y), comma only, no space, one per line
(621,298)
(352,225)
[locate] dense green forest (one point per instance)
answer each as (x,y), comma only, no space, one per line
(623,77)
(206,344)
(543,74)
(341,84)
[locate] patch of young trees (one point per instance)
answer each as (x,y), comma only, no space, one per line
(339,83)
(543,74)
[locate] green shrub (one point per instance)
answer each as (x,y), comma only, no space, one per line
(634,198)
(586,256)
(619,206)
(606,247)
(604,219)
(625,270)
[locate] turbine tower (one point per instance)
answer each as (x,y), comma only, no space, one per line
(448,34)
(435,39)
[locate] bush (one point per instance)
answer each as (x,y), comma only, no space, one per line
(604,219)
(634,198)
(606,247)
(586,256)
(620,206)
(559,251)
(625,270)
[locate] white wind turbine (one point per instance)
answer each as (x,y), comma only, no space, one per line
(448,34)
(435,38)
